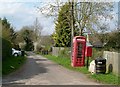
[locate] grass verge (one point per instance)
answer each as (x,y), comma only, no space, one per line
(102,78)
(66,62)
(107,78)
(12,64)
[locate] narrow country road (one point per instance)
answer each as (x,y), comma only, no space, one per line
(40,71)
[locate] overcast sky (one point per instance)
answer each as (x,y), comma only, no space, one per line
(22,13)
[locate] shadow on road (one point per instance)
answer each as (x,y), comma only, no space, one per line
(40,59)
(27,71)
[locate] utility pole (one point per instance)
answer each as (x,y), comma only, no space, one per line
(119,17)
(72,24)
(72,21)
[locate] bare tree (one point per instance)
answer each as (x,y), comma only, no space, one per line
(87,14)
(51,9)
(37,29)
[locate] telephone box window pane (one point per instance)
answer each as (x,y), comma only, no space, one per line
(79,54)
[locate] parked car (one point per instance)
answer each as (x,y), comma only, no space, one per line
(16,52)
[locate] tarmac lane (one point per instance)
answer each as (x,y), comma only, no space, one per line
(38,70)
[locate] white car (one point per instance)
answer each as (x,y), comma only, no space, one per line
(16,52)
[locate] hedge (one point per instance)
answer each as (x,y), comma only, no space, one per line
(6,49)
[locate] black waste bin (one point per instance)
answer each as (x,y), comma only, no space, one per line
(22,53)
(100,65)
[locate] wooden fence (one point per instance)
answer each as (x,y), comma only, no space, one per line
(56,50)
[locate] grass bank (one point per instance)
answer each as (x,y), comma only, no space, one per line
(102,78)
(12,64)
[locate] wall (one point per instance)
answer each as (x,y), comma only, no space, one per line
(113,62)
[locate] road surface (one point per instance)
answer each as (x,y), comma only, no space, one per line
(40,71)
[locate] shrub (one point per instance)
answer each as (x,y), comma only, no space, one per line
(38,47)
(97,52)
(29,46)
(16,46)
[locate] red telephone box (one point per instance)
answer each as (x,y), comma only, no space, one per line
(78,51)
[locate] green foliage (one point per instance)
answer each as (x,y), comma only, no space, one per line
(26,35)
(29,45)
(107,78)
(12,64)
(16,46)
(26,32)
(97,52)
(62,35)
(46,41)
(6,49)
(114,42)
(65,53)
(8,32)
(103,38)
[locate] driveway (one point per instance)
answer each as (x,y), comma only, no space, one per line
(40,71)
